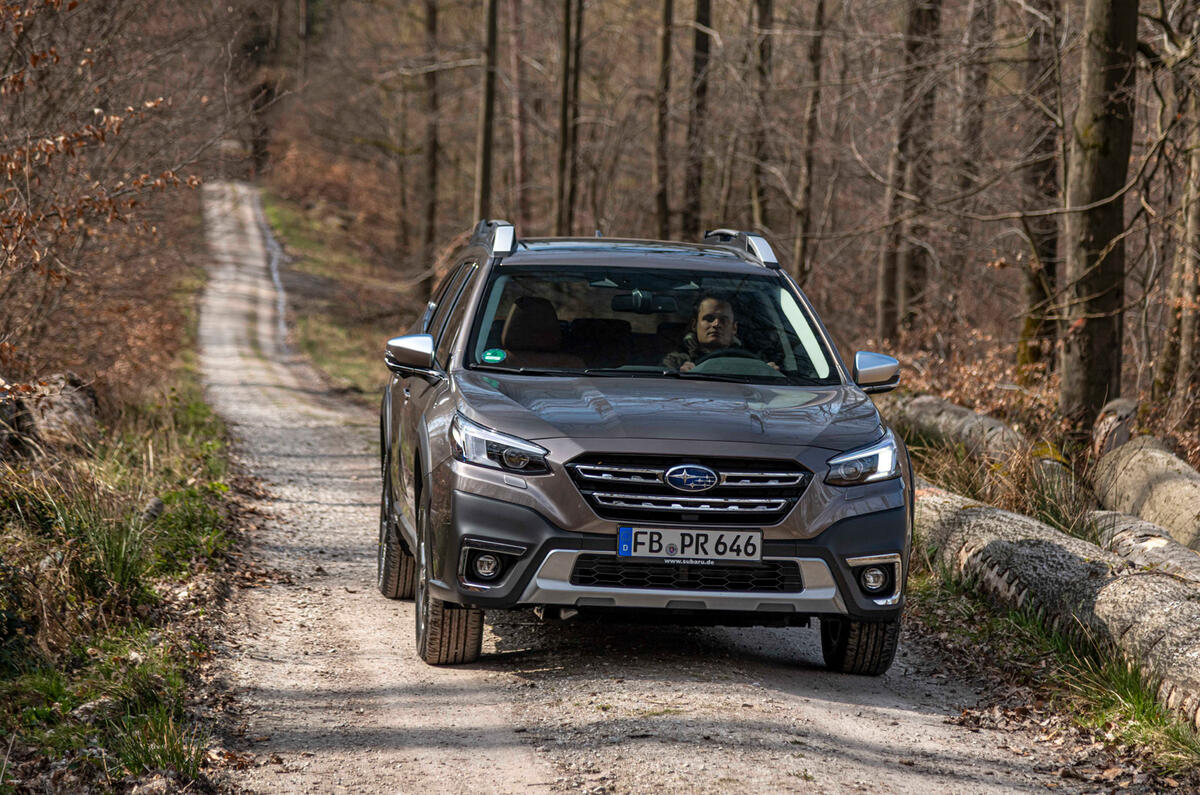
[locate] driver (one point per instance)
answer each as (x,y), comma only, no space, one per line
(713,328)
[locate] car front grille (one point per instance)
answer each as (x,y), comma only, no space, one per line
(634,489)
(609,571)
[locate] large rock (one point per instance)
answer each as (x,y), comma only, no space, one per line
(1150,617)
(1143,478)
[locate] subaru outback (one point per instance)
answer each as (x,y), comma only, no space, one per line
(641,430)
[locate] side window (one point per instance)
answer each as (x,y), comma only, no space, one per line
(439,295)
(455,321)
(442,311)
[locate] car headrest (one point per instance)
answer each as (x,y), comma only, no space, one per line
(532,325)
(601,329)
(672,330)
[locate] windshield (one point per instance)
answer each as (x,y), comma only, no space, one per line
(648,323)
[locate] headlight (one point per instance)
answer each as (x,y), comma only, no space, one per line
(476,444)
(876,462)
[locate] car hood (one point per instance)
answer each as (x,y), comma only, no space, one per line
(831,417)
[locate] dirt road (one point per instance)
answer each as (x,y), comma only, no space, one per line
(332,697)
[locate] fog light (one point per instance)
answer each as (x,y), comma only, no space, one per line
(487,566)
(873,578)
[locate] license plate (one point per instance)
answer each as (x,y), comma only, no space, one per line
(689,546)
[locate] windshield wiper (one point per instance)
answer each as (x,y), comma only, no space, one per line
(529,370)
(620,371)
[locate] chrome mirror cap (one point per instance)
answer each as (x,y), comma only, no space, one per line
(874,372)
(410,352)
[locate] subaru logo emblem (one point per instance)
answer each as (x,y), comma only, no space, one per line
(691,477)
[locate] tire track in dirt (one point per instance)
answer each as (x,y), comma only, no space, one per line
(327,682)
(322,667)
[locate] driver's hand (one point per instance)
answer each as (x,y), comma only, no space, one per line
(773,365)
(686,366)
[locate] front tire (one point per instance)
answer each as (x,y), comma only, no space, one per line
(447,634)
(396,569)
(859,647)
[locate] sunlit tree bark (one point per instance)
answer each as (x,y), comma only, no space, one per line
(693,181)
(1101,139)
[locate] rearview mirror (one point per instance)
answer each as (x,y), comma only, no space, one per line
(644,303)
(874,372)
(410,353)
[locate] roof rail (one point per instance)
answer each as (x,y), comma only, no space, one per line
(498,237)
(754,245)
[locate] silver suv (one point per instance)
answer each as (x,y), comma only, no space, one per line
(648,430)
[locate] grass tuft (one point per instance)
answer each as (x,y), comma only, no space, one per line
(1101,693)
(157,740)
(1032,483)
(89,675)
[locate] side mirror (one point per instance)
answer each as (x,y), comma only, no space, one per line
(875,372)
(412,352)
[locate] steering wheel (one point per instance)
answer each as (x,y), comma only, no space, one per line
(732,353)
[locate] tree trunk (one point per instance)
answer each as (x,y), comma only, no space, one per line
(1114,426)
(564,121)
(1035,344)
(1168,353)
(915,103)
(1143,478)
(487,118)
(662,103)
(519,121)
(1183,408)
(1102,135)
(933,418)
(403,239)
(302,29)
(914,266)
(972,99)
(758,190)
(1147,617)
(802,223)
(1145,544)
(432,150)
(693,181)
(573,146)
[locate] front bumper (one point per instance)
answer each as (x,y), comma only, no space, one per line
(539,558)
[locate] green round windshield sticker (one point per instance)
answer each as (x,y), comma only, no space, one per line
(494,355)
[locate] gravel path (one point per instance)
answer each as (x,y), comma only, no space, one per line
(329,696)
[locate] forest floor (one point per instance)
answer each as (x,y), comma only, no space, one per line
(324,691)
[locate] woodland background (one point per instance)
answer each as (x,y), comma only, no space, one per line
(910,159)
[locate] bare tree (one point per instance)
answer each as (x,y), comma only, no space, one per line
(487,117)
(564,121)
(519,121)
(1183,408)
(1102,136)
(662,107)
(573,144)
(802,221)
(432,149)
(972,99)
(693,179)
(1038,329)
(916,255)
(765,11)
(908,171)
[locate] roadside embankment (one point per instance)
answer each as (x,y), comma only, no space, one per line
(1114,581)
(1149,617)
